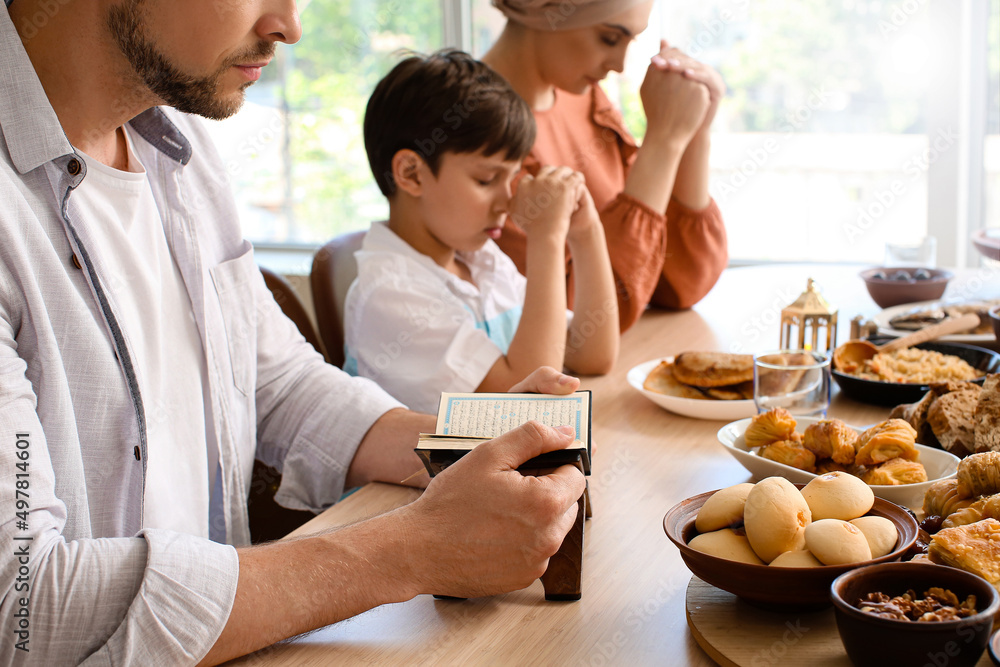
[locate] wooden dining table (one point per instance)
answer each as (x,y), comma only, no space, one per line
(645,460)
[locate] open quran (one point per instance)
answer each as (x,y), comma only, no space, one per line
(467,420)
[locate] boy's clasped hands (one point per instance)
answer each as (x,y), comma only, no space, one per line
(554,204)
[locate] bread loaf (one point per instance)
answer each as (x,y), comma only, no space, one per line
(987,416)
(951,419)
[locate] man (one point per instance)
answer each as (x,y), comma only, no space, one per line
(143,366)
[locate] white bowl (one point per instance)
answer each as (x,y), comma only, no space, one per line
(938,463)
(689,407)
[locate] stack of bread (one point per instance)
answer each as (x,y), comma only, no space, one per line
(704,375)
(774,523)
(960,417)
(967,509)
(885,454)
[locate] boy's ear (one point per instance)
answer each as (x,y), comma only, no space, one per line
(408,170)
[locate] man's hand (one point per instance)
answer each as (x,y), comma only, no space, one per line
(483,528)
(547,380)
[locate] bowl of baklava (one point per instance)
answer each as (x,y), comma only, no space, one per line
(886,456)
(779,545)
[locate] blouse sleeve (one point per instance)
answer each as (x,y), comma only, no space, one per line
(696,254)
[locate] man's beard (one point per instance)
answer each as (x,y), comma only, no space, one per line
(184,92)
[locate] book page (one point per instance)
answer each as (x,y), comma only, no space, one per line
(490,415)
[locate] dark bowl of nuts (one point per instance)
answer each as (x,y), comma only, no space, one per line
(913,614)
(891,286)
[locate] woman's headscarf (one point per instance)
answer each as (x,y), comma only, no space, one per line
(562,14)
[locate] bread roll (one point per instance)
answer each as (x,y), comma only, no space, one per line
(801,558)
(838,495)
(775,518)
(727,544)
(836,542)
(723,509)
(880,533)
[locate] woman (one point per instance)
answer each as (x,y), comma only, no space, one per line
(665,235)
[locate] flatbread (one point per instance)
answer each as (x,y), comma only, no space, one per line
(736,392)
(661,380)
(713,369)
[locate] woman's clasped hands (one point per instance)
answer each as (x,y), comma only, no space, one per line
(680,95)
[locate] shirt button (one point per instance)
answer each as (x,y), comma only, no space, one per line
(138,456)
(76,261)
(73,167)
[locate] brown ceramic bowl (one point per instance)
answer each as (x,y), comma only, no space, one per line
(873,641)
(775,588)
(891,286)
(995,321)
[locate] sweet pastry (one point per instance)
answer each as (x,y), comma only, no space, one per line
(987,416)
(771,426)
(880,533)
(838,495)
(726,543)
(979,475)
(974,547)
(801,558)
(829,465)
(791,453)
(984,508)
(775,518)
(661,380)
(895,471)
(893,438)
(713,369)
(831,439)
(942,498)
(951,419)
(723,508)
(836,542)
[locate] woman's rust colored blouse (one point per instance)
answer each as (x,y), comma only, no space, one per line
(670,259)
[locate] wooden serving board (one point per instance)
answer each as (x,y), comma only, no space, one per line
(735,634)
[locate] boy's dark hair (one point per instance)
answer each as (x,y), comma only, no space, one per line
(447,101)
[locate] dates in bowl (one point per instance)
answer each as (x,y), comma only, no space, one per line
(891,286)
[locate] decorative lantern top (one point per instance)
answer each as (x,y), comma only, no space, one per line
(809,314)
(810,302)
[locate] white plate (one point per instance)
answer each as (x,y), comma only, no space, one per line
(689,407)
(938,463)
(884,328)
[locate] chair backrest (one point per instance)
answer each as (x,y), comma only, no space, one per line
(292,306)
(269,520)
(333,270)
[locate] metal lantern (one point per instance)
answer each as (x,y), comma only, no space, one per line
(804,321)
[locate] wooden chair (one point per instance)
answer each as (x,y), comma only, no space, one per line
(269,520)
(333,270)
(292,306)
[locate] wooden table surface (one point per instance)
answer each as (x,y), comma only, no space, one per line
(645,460)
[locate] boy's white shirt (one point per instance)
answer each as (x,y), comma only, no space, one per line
(417,329)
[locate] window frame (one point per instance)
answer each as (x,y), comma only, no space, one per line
(956,180)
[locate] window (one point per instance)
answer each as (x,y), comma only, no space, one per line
(991,152)
(295,152)
(843,127)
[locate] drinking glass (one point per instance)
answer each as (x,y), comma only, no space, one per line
(797,380)
(914,255)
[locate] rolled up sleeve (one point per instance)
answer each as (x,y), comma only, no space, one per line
(311,415)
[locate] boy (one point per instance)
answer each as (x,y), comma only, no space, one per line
(436,305)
